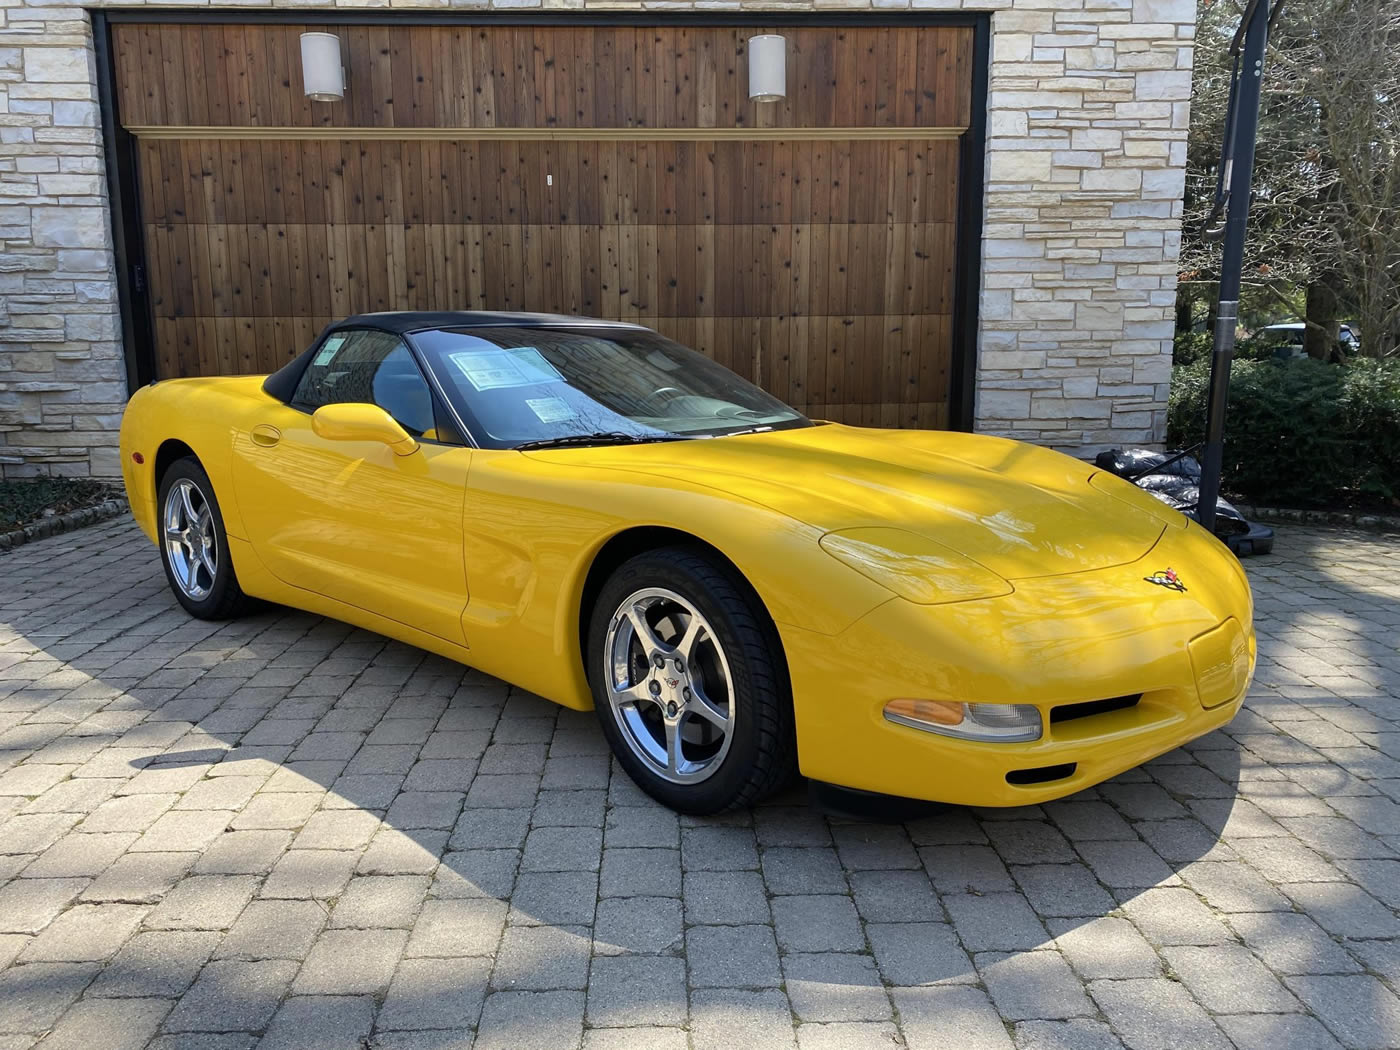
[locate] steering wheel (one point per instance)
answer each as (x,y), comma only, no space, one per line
(736,412)
(668,392)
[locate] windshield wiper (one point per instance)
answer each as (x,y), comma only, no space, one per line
(599,437)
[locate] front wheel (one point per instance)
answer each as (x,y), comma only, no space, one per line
(689,682)
(194,544)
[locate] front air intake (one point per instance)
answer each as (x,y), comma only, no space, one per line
(1069,712)
(1041,774)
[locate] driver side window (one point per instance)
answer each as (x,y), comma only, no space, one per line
(368,366)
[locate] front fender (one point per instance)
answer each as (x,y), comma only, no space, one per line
(533,530)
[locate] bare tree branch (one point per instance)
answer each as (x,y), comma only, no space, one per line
(1326,207)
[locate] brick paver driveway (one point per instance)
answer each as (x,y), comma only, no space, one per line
(286,830)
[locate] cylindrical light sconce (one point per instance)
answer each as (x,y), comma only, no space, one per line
(322,75)
(767,68)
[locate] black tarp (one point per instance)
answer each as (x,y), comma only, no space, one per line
(1175,479)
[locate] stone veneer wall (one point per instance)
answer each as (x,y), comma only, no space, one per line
(1089,103)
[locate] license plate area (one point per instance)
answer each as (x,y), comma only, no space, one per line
(1220,662)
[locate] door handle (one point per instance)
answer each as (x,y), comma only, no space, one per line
(266,435)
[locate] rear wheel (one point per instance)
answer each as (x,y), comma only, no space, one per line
(689,682)
(194,545)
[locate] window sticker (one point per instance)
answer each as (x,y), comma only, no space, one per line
(550,409)
(495,369)
(662,361)
(328,351)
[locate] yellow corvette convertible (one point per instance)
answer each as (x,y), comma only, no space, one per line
(607,519)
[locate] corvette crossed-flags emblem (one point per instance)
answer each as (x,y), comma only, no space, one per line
(1166,578)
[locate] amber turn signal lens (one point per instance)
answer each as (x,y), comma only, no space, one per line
(997,723)
(935,712)
(137,458)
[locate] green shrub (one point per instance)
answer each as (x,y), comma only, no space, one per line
(1300,432)
(1255,348)
(1190,347)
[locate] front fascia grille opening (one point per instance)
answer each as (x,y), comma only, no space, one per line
(1041,774)
(1069,712)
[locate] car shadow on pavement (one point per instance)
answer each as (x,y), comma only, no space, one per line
(287,826)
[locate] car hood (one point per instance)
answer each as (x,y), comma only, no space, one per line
(1019,510)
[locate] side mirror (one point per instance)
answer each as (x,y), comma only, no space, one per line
(357,421)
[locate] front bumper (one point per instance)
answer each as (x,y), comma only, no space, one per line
(1055,641)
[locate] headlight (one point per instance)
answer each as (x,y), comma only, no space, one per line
(1006,723)
(917,569)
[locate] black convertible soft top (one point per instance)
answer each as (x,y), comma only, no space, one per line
(403,321)
(282,384)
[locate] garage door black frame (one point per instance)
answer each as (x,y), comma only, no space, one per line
(137,319)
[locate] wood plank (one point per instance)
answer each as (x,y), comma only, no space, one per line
(423,77)
(279,276)
(150,57)
(381,80)
(706,81)
(279,66)
(272,171)
(131,86)
(299,174)
(487,81)
(582,80)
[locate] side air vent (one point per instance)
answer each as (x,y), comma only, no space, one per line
(1069,712)
(1041,774)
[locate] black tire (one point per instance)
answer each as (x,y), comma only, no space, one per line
(225,598)
(762,751)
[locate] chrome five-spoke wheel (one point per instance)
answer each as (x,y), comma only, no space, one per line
(191,543)
(669,685)
(688,681)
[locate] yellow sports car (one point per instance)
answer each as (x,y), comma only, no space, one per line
(607,519)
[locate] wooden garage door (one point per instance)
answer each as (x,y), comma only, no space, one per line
(617,172)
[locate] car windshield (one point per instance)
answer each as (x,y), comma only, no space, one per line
(1281,334)
(591,385)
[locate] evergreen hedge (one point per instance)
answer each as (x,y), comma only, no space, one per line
(1300,433)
